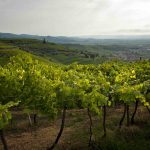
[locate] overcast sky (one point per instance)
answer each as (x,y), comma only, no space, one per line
(75,17)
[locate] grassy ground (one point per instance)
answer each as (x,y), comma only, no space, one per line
(21,136)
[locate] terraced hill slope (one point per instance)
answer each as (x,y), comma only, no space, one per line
(54,52)
(8,50)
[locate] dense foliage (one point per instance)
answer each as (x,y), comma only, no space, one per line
(47,89)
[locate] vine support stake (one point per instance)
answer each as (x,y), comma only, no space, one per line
(128,115)
(91,124)
(148,109)
(123,117)
(104,120)
(3,139)
(61,130)
(134,113)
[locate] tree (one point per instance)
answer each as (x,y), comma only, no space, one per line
(44,41)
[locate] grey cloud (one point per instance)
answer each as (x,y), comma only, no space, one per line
(147,26)
(74,17)
(134,31)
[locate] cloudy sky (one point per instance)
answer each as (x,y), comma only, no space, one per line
(75,17)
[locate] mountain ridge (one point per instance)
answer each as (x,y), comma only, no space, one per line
(93,39)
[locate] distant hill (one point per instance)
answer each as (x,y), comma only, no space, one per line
(58,39)
(85,40)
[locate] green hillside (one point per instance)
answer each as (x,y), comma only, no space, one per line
(8,50)
(69,53)
(54,52)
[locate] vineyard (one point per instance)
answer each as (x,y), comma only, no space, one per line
(53,90)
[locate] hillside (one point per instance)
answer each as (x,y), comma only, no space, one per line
(85,40)
(127,51)
(8,50)
(69,53)
(82,49)
(54,52)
